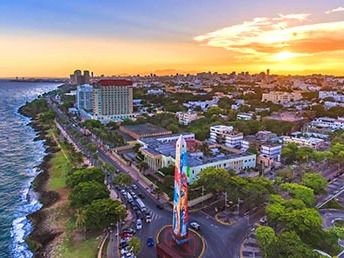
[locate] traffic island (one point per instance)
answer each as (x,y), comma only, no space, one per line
(167,247)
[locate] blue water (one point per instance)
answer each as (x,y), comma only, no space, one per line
(19,155)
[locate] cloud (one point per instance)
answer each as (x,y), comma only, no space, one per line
(266,36)
(335,10)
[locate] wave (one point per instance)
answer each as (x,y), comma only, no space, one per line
(21,226)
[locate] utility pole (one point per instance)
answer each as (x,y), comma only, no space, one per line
(202,195)
(225,200)
(238,205)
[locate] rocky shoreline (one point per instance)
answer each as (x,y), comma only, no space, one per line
(40,235)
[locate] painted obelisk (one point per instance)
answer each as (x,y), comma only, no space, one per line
(180,197)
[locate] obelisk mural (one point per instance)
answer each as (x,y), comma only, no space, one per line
(180,199)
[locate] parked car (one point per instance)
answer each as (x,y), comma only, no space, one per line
(150,242)
(134,186)
(138,224)
(195,225)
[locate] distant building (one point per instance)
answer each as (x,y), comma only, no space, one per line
(84,97)
(281,97)
(77,78)
(143,130)
(245,116)
(186,118)
(226,135)
(331,94)
(113,100)
(310,142)
(155,92)
(328,123)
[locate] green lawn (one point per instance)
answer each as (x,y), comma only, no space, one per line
(84,249)
(60,165)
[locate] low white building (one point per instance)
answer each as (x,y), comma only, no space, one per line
(328,123)
(245,116)
(226,135)
(310,142)
(160,151)
(186,118)
(331,94)
(281,97)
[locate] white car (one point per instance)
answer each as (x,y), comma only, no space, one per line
(195,225)
(138,224)
(148,218)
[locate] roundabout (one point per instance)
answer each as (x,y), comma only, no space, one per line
(194,247)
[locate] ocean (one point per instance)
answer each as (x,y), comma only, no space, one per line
(19,155)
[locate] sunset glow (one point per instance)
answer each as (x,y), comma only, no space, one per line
(171,40)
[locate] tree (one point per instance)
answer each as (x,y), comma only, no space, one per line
(85,175)
(290,245)
(143,166)
(85,192)
(102,213)
(213,111)
(213,179)
(266,239)
(123,179)
(225,103)
(300,192)
(315,181)
(135,243)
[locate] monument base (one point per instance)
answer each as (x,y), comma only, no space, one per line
(167,247)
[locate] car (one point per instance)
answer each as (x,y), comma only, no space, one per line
(140,195)
(195,225)
(138,224)
(138,213)
(148,218)
(126,234)
(134,186)
(135,208)
(150,242)
(159,206)
(123,191)
(130,230)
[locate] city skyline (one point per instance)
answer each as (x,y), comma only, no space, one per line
(49,39)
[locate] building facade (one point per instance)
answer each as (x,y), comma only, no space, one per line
(226,135)
(281,97)
(84,97)
(113,100)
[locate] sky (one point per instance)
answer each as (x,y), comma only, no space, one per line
(49,38)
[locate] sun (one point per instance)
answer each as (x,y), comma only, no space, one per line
(284,55)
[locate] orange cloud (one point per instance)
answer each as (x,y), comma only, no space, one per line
(265,36)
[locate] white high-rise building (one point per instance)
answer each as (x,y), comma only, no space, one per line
(84,97)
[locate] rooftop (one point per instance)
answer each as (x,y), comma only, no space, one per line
(114,82)
(146,129)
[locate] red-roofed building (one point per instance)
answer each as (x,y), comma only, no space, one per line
(114,82)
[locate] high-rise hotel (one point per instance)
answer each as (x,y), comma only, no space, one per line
(113,100)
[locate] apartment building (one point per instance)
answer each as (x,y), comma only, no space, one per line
(226,135)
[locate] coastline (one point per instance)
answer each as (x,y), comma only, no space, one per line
(40,236)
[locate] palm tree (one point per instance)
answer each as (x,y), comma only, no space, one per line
(80,219)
